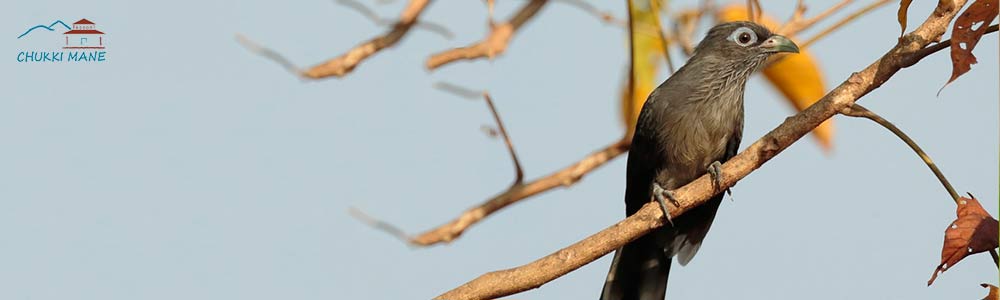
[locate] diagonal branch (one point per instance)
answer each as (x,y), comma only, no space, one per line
(650,216)
(519,191)
(346,63)
(494,44)
(797,23)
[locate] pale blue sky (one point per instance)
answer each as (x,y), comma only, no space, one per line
(185,167)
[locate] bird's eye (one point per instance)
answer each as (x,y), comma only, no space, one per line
(743,36)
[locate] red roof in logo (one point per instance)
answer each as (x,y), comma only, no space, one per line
(83,32)
(84,26)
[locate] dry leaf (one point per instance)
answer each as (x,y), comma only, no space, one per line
(994,291)
(972,232)
(647,56)
(901,15)
(969,28)
(797,76)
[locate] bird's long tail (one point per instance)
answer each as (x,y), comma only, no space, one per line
(639,272)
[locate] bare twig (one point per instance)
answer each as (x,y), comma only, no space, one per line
(562,178)
(754,10)
(996,260)
(604,16)
(518,171)
(518,191)
(650,216)
(664,41)
(458,90)
(269,54)
(494,44)
(861,112)
(370,14)
(797,23)
(377,224)
(844,21)
(346,63)
(684,28)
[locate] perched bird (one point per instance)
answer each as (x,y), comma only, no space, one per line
(688,126)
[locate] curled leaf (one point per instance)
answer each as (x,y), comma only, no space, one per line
(797,77)
(901,15)
(969,28)
(994,291)
(974,231)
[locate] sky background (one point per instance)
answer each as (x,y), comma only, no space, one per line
(186,167)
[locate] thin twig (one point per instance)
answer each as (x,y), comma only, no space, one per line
(754,10)
(494,44)
(370,14)
(861,112)
(797,24)
(458,90)
(346,63)
(518,171)
(269,54)
(650,217)
(844,21)
(996,260)
(604,16)
(378,224)
(684,28)
(561,178)
(664,42)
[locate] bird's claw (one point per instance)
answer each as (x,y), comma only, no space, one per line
(715,170)
(661,195)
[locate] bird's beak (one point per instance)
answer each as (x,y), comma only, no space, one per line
(777,43)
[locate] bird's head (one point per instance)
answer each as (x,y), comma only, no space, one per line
(743,42)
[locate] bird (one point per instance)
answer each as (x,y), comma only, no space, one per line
(688,126)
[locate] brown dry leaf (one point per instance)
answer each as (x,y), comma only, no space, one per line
(901,15)
(972,232)
(994,291)
(797,76)
(969,28)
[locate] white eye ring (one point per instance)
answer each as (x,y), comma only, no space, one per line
(743,36)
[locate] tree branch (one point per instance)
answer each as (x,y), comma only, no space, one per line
(650,216)
(797,23)
(370,14)
(519,191)
(346,63)
(494,44)
(859,111)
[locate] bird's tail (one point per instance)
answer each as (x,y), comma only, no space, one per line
(639,272)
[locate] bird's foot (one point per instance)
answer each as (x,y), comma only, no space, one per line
(662,195)
(715,170)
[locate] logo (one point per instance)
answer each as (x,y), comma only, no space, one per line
(81,43)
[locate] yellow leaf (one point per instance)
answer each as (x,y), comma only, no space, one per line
(796,76)
(647,56)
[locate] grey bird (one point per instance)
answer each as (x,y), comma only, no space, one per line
(688,126)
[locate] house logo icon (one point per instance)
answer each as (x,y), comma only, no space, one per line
(84,35)
(82,43)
